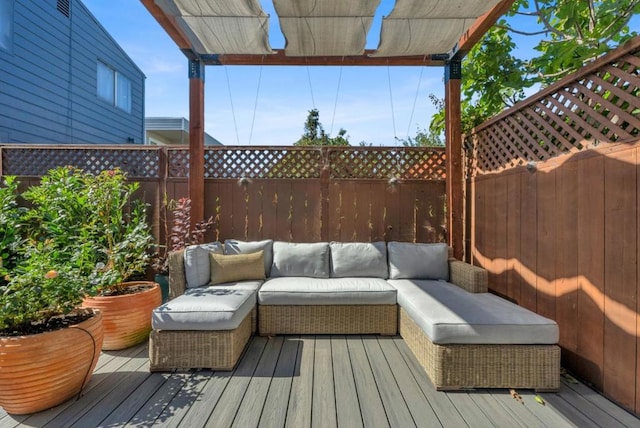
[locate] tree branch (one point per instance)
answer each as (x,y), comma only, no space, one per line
(522,33)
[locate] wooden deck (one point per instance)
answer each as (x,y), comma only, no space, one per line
(305,381)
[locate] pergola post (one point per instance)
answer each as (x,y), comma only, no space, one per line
(455,179)
(196,139)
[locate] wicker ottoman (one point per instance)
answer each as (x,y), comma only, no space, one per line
(207,327)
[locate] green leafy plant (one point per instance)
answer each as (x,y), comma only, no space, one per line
(42,288)
(99,216)
(10,222)
(118,227)
(81,234)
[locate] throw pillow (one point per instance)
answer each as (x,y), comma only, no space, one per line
(233,246)
(236,267)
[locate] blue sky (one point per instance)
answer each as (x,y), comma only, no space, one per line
(374,104)
(286,94)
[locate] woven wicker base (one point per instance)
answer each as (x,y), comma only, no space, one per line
(190,349)
(483,366)
(328,319)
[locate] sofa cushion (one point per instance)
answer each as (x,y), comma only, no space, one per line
(207,308)
(291,259)
(418,261)
(359,259)
(233,246)
(196,263)
(236,267)
(326,291)
(447,314)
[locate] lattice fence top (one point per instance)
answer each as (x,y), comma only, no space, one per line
(599,104)
(37,160)
(349,163)
(400,163)
(309,163)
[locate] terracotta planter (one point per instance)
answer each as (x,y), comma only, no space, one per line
(43,370)
(127,318)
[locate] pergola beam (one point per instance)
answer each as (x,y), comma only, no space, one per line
(168,23)
(480,28)
(280,58)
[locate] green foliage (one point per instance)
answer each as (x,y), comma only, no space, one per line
(10,222)
(314,134)
(423,138)
(571,34)
(117,225)
(81,234)
(43,285)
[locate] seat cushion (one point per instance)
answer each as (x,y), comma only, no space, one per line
(233,246)
(326,291)
(207,308)
(359,259)
(418,261)
(447,314)
(197,270)
(293,259)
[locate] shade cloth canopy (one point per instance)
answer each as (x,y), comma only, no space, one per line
(324,27)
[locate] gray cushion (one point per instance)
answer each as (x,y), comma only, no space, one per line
(326,291)
(233,246)
(359,259)
(290,259)
(418,261)
(448,314)
(196,263)
(207,308)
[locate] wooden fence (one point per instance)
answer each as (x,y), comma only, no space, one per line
(287,193)
(555,198)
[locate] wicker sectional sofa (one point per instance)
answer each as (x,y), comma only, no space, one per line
(462,335)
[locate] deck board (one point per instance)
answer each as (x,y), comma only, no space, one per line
(347,404)
(225,411)
(371,408)
(299,411)
(300,381)
(323,403)
(274,413)
(397,411)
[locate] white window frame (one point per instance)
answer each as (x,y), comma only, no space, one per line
(113,87)
(6,25)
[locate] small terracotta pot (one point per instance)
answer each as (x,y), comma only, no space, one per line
(127,318)
(43,370)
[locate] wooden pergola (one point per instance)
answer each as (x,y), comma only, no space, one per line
(451,61)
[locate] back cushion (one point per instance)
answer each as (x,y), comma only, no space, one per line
(196,263)
(359,259)
(418,261)
(233,246)
(291,259)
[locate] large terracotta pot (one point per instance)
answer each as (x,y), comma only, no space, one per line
(43,370)
(127,318)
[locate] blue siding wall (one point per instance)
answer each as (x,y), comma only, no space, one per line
(48,87)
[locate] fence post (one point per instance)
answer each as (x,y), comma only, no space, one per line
(325,175)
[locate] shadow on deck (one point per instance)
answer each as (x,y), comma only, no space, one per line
(302,381)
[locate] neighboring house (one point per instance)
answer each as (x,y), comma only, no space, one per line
(63,79)
(170,131)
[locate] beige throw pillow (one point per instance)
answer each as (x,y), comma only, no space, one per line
(236,267)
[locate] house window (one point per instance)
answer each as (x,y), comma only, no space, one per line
(113,87)
(123,93)
(6,24)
